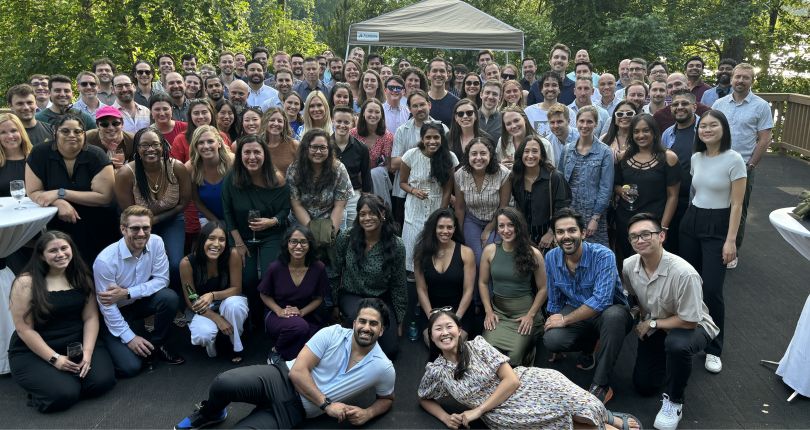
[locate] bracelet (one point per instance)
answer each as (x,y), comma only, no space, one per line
(563,319)
(664,228)
(213,297)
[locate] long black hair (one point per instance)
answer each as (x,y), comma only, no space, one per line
(231,131)
(388,231)
(199,261)
(657,147)
(462,350)
(241,177)
(454,136)
(525,263)
(304,180)
(441,163)
(427,244)
(338,85)
(77,273)
(613,130)
(725,141)
(140,173)
(519,169)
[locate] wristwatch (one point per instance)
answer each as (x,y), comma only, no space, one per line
(60,194)
(53,358)
(326,402)
(653,323)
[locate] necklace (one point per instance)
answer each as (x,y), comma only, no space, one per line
(155,188)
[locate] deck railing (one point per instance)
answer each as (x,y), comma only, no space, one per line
(791,121)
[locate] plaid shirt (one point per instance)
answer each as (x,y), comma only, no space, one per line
(595,283)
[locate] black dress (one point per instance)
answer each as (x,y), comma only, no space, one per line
(447,288)
(51,389)
(652,180)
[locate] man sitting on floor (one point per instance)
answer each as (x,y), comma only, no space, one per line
(337,363)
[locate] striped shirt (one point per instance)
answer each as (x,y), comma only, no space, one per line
(595,283)
(484,202)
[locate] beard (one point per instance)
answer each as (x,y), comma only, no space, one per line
(723,79)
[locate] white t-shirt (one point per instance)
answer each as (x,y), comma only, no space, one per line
(712,178)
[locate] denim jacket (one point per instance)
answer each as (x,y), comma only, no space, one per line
(598,174)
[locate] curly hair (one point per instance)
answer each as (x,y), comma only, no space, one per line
(140,172)
(427,244)
(304,179)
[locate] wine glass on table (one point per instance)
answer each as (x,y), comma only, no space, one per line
(75,352)
(17,190)
(253,215)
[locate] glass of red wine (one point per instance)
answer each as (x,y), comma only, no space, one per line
(74,352)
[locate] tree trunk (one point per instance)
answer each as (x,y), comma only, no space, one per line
(734,47)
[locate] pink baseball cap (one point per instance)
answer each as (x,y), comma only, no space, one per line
(108,111)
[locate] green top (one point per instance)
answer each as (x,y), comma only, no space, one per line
(506,281)
(271,202)
(374,278)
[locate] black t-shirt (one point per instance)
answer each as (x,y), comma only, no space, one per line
(682,147)
(41,133)
(442,109)
(356,160)
(47,163)
(11,171)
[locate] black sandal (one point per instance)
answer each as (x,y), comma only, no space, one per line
(625,417)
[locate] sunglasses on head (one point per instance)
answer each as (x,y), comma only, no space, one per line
(442,309)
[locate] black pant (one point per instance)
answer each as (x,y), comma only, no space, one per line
(278,405)
(666,358)
(703,233)
(163,305)
(389,341)
(609,327)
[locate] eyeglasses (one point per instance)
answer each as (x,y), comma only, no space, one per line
(39,84)
(69,131)
(508,76)
(122,86)
(298,242)
(105,124)
(623,114)
(137,228)
(644,235)
(463,113)
(87,84)
(472,84)
(442,309)
(145,146)
(319,148)
(394,88)
(680,104)
(143,72)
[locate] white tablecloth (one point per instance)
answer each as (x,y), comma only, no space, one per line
(793,231)
(16,229)
(794,367)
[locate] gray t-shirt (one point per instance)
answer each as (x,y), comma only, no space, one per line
(712,178)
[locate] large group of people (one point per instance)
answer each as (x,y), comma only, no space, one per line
(528,208)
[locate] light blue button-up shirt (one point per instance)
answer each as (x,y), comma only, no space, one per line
(746,119)
(595,282)
(333,346)
(141,276)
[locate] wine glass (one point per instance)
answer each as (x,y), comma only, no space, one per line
(632,195)
(253,215)
(74,352)
(17,189)
(117,157)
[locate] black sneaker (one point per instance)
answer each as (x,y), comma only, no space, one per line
(586,361)
(273,357)
(164,354)
(197,420)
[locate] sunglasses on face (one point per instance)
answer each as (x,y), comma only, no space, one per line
(624,114)
(463,113)
(472,84)
(394,88)
(87,84)
(105,124)
(143,72)
(508,76)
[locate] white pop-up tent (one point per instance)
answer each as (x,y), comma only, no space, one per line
(443,24)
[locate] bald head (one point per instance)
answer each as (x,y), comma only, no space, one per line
(239,91)
(676,81)
(607,86)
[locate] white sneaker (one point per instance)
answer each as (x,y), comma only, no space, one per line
(713,363)
(733,263)
(669,416)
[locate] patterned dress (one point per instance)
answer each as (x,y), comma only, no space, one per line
(545,399)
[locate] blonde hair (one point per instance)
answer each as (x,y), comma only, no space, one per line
(286,132)
(327,116)
(225,156)
(25,144)
(521,102)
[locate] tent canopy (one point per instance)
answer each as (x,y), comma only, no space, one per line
(447,24)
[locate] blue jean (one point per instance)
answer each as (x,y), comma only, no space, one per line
(173,233)
(473,227)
